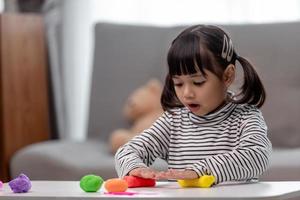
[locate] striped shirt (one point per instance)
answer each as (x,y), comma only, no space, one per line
(230,144)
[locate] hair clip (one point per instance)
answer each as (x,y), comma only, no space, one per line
(227,51)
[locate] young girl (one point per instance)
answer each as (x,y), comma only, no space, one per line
(205,129)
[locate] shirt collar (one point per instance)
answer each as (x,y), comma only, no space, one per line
(214,117)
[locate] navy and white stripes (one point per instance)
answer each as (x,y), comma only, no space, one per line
(230,144)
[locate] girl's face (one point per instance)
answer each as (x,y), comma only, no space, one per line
(200,94)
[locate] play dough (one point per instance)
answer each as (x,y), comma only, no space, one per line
(134,181)
(91,183)
(205,181)
(21,184)
(115,185)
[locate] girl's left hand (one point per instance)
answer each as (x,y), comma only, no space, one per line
(176,174)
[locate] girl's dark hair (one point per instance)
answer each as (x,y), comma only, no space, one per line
(208,47)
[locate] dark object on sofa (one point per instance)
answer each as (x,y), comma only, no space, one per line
(126,56)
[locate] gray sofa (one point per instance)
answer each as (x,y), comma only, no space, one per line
(127,56)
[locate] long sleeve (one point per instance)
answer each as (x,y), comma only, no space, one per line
(247,160)
(143,149)
(231,144)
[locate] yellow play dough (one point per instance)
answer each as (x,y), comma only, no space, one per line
(205,181)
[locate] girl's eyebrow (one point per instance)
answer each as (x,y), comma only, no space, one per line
(192,76)
(196,75)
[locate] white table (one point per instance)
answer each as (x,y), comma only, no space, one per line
(59,190)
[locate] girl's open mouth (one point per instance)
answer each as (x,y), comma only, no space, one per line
(193,107)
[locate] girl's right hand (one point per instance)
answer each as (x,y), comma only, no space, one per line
(143,172)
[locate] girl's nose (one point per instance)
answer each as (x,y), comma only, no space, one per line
(188,92)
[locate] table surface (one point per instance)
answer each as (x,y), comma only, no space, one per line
(48,190)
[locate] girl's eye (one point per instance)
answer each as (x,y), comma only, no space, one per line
(199,83)
(178,84)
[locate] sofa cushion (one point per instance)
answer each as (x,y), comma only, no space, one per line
(63,160)
(284,166)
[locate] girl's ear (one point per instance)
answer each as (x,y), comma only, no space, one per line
(229,75)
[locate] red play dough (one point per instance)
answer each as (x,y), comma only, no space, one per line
(134,181)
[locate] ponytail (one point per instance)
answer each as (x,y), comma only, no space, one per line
(252,90)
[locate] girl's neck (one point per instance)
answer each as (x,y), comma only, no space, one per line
(222,104)
(219,107)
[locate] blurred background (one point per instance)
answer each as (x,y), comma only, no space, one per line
(70,24)
(47,61)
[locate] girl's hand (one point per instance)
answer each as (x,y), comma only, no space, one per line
(177,174)
(143,172)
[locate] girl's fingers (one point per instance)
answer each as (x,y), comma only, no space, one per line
(164,175)
(161,175)
(148,174)
(141,172)
(170,174)
(180,174)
